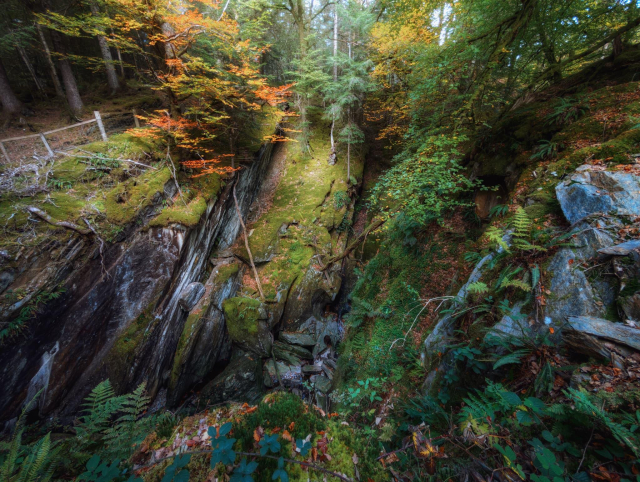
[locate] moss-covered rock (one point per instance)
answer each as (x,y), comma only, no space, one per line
(247,324)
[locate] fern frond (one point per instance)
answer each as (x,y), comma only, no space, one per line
(477,288)
(521,224)
(515,283)
(494,235)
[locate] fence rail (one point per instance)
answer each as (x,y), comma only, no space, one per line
(97,119)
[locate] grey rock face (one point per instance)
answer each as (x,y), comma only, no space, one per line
(190,295)
(239,381)
(588,192)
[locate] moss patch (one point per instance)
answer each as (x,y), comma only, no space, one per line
(124,201)
(241,315)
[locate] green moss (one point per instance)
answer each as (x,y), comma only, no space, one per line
(124,349)
(124,202)
(225,272)
(241,315)
(188,215)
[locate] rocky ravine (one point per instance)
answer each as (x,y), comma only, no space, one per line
(173,306)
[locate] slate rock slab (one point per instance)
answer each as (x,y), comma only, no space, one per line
(295,338)
(589,192)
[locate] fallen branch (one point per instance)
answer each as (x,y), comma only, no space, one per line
(354,244)
(104,270)
(61,224)
(107,159)
(246,244)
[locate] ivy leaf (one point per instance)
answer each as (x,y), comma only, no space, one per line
(303,446)
(243,472)
(269,443)
(223,451)
(225,429)
(174,472)
(280,472)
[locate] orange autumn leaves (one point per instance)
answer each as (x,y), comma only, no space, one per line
(208,76)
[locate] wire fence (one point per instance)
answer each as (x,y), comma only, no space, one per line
(45,144)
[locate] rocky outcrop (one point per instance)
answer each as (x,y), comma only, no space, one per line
(583,307)
(119,316)
(591,191)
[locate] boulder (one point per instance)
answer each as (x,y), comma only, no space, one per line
(589,192)
(572,293)
(311,369)
(322,384)
(294,338)
(331,333)
(190,295)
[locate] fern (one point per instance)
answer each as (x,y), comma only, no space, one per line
(100,406)
(521,225)
(585,406)
(28,464)
(478,288)
(515,283)
(494,235)
(130,429)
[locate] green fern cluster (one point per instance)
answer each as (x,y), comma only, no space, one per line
(99,428)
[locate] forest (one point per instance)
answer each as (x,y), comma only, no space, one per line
(320,240)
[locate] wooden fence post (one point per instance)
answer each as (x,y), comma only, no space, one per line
(100,126)
(46,144)
(4,152)
(135,119)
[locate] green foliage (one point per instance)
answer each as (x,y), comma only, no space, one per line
(567,111)
(27,312)
(546,150)
(427,184)
(34,463)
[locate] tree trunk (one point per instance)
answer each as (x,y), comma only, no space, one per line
(25,59)
(335,43)
(11,105)
(112,78)
(52,68)
(68,79)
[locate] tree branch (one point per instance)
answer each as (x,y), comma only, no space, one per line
(60,224)
(354,244)
(246,244)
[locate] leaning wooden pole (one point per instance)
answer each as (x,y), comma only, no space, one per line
(246,244)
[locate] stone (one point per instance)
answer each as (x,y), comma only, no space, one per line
(630,305)
(322,384)
(286,372)
(622,249)
(332,332)
(511,326)
(286,356)
(302,339)
(572,294)
(601,338)
(311,369)
(190,295)
(295,349)
(248,326)
(239,381)
(589,192)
